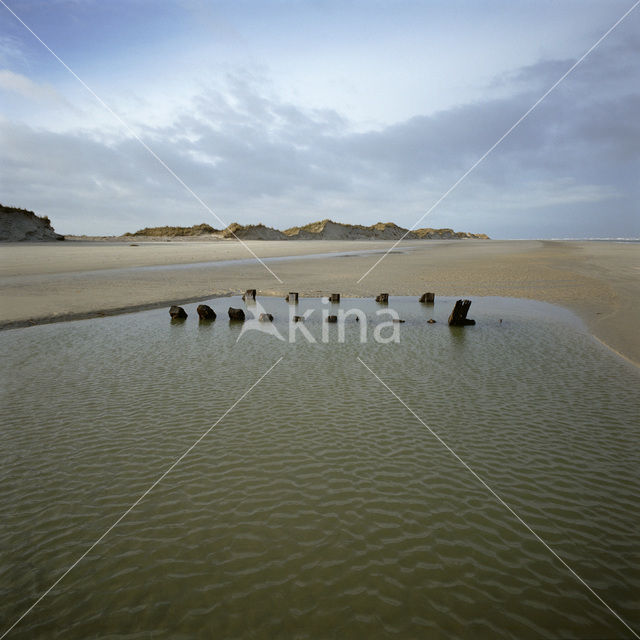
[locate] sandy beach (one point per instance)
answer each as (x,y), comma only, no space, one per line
(48,282)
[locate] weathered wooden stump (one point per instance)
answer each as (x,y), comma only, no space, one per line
(334,297)
(265,317)
(298,318)
(383,298)
(458,317)
(428,298)
(177,313)
(236,314)
(249,294)
(431,321)
(292,296)
(332,318)
(205,312)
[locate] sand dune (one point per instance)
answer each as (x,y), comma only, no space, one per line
(329,230)
(321,230)
(20,225)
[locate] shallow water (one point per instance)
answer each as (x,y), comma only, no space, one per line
(319,506)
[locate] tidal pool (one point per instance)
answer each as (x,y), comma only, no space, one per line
(319,506)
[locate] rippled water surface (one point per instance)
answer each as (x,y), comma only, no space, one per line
(319,506)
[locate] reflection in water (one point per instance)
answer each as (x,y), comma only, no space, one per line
(457,337)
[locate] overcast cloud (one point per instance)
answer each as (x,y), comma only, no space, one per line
(256,147)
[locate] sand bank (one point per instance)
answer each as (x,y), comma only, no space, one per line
(600,281)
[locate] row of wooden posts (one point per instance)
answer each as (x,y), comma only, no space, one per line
(457,318)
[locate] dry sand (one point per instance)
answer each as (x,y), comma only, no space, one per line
(600,281)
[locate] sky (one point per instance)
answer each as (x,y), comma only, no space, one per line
(289,111)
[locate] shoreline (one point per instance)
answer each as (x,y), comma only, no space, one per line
(596,281)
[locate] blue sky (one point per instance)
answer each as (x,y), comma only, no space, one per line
(288,111)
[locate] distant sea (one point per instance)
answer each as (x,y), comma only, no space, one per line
(633,240)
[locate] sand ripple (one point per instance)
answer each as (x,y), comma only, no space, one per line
(319,507)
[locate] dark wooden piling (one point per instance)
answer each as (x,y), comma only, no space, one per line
(332,318)
(383,298)
(249,294)
(177,313)
(458,317)
(236,314)
(334,297)
(205,312)
(428,298)
(292,296)
(265,317)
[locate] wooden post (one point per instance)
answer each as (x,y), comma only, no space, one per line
(205,312)
(250,294)
(428,298)
(292,297)
(383,298)
(332,318)
(334,297)
(458,317)
(236,314)
(177,313)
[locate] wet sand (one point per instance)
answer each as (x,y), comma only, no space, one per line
(48,282)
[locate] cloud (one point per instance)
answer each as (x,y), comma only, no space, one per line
(23,86)
(10,50)
(571,168)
